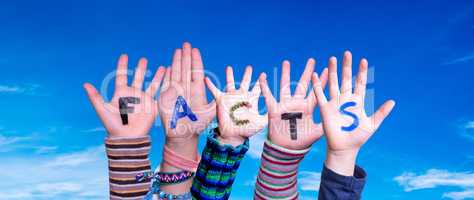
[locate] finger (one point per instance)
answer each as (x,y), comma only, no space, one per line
(197,65)
(382,113)
(256,89)
(245,84)
(333,82)
(361,80)
(167,80)
(214,90)
(267,93)
(302,88)
(94,97)
(285,81)
(176,67)
(140,74)
(346,83)
(156,81)
(121,79)
(324,79)
(230,86)
(318,89)
(186,63)
(208,114)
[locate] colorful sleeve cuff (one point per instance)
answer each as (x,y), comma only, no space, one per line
(278,172)
(128,157)
(335,186)
(217,169)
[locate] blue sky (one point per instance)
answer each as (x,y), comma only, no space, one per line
(421,54)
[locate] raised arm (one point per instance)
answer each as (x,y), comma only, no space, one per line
(292,131)
(128,118)
(238,119)
(347,128)
(185,113)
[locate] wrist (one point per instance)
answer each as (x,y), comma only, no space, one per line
(182,147)
(342,161)
(121,134)
(291,145)
(186,147)
(232,140)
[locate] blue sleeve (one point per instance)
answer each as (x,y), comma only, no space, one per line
(334,186)
(217,169)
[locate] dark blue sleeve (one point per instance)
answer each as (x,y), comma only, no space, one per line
(338,187)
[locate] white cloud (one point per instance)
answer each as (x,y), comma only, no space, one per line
(96,129)
(460,195)
(56,129)
(29,89)
(77,158)
(466,129)
(44,177)
(53,189)
(256,144)
(45,149)
(309,181)
(439,178)
(8,140)
(469,125)
(463,59)
(9,89)
(13,143)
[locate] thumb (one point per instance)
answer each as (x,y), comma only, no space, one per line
(382,113)
(94,97)
(210,111)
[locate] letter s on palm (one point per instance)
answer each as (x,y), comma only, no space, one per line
(337,120)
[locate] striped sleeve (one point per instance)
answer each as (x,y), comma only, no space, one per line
(278,173)
(127,157)
(217,170)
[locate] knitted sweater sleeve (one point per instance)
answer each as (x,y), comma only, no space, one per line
(128,157)
(217,170)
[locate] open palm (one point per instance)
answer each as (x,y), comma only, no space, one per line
(185,78)
(306,132)
(144,111)
(346,124)
(237,110)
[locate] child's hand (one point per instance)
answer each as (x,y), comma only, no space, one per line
(346,125)
(237,110)
(184,110)
(185,80)
(132,111)
(291,122)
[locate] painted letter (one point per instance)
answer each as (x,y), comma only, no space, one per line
(177,114)
(237,121)
(343,111)
(124,109)
(292,117)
